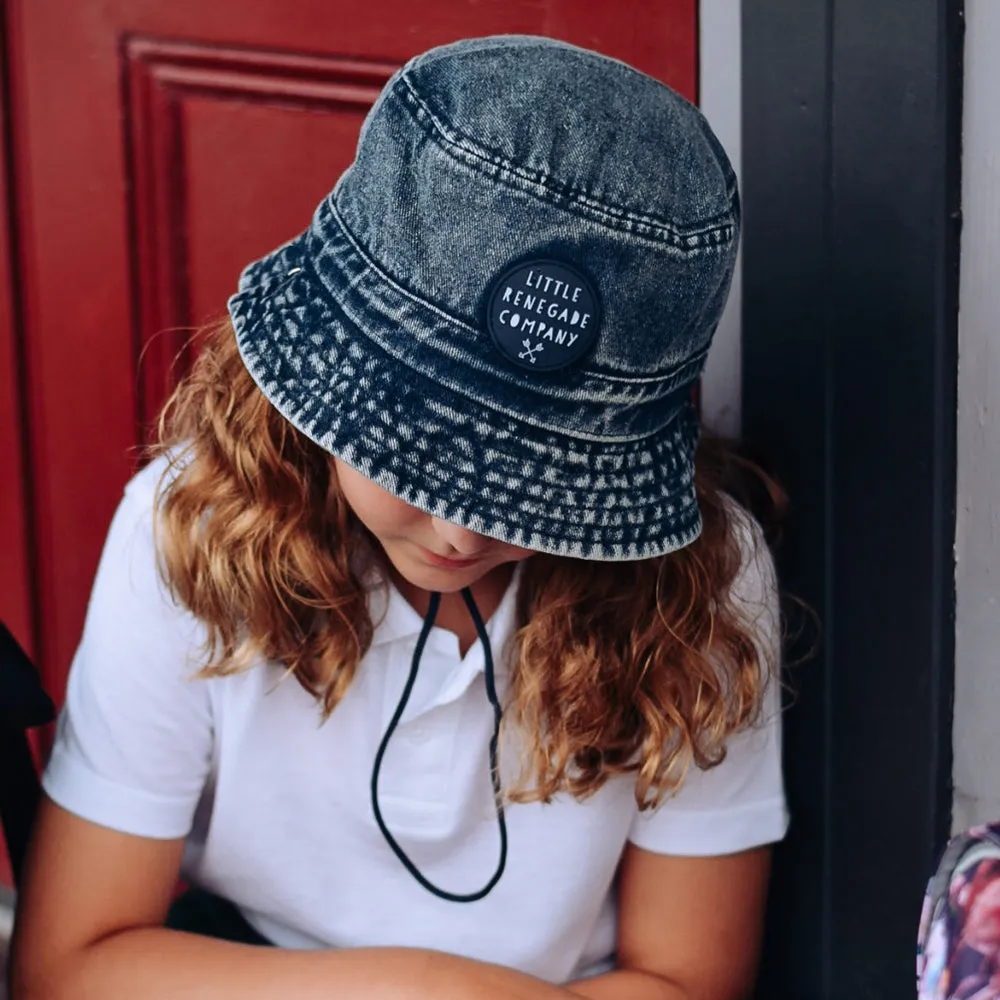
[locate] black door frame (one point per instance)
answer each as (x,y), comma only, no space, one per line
(851,184)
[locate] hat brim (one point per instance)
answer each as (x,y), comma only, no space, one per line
(431,446)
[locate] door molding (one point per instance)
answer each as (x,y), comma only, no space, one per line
(159,76)
(851,180)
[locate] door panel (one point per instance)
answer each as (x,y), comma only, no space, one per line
(158,147)
(228,152)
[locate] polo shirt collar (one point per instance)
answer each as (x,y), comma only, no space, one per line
(396,620)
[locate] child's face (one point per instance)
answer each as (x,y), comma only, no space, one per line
(430,553)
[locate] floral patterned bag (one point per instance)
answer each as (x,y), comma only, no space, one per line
(958,951)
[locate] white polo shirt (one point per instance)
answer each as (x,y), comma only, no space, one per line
(276,807)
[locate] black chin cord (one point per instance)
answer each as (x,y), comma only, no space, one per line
(491,693)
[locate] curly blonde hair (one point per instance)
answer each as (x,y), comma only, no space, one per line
(643,667)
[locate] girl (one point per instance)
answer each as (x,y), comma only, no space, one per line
(427,648)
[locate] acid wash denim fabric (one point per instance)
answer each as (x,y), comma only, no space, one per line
(369,332)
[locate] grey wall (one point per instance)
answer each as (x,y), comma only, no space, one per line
(977,668)
(719,98)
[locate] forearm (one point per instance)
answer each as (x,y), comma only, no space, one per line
(626,984)
(161,964)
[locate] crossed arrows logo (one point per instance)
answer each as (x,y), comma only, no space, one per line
(530,353)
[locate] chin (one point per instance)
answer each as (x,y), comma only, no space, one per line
(441,579)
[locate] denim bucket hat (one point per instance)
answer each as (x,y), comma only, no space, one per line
(499,312)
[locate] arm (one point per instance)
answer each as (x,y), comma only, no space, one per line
(89,928)
(693,885)
(689,928)
(90,916)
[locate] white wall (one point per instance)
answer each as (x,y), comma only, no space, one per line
(977,548)
(720,96)
(977,667)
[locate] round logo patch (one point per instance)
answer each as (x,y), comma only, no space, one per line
(543,315)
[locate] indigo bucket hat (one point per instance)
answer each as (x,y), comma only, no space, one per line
(499,312)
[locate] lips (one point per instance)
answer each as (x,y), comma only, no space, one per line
(445,563)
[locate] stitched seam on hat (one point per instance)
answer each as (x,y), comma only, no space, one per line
(553,510)
(406,460)
(387,278)
(682,238)
(708,235)
(651,379)
(456,387)
(285,405)
(421,302)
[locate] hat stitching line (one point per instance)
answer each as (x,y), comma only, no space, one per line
(686,239)
(644,379)
(678,377)
(418,301)
(367,435)
(455,387)
(571,549)
(370,263)
(557,514)
(520,493)
(402,460)
(681,515)
(708,235)
(553,511)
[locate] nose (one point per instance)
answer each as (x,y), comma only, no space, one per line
(466,542)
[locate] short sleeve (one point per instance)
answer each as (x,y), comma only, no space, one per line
(739,804)
(133,743)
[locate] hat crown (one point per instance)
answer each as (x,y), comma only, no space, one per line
(487,153)
(584,122)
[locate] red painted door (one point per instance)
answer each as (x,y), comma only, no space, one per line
(154,148)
